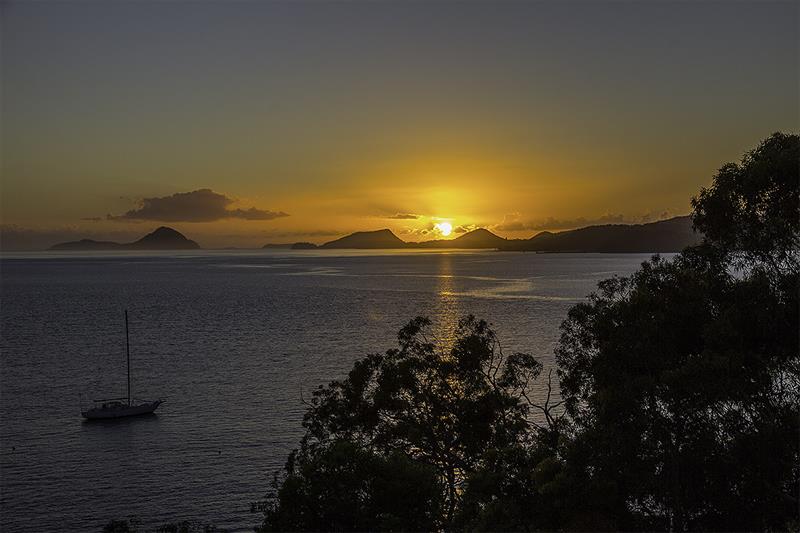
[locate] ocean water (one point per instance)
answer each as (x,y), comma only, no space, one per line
(234,341)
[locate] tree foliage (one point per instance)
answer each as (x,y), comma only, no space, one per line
(344,487)
(683,381)
(752,211)
(680,387)
(439,407)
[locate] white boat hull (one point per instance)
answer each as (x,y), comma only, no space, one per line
(119,411)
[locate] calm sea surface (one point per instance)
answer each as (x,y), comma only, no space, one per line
(231,340)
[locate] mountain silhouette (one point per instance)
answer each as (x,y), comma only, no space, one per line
(380,239)
(163,238)
(664,236)
(476,239)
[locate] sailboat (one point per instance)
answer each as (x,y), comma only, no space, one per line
(120,407)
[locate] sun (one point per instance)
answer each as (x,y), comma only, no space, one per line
(445,228)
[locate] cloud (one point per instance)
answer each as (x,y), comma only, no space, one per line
(202,205)
(416,231)
(466,228)
(514,221)
(403,216)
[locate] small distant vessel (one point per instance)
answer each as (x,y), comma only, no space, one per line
(120,407)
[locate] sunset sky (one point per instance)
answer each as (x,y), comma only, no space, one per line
(242,123)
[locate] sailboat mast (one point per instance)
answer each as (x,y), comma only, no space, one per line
(128,352)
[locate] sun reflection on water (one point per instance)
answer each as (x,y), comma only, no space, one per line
(448,310)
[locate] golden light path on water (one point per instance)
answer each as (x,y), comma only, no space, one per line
(448,312)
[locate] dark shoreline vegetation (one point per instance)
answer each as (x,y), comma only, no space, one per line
(676,405)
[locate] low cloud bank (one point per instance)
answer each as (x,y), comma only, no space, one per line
(202,205)
(403,216)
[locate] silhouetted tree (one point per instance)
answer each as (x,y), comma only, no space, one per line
(442,409)
(683,381)
(751,211)
(341,486)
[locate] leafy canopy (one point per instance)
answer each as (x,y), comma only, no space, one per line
(682,381)
(439,407)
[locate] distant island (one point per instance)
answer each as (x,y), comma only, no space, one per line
(671,235)
(278,246)
(665,236)
(380,239)
(163,238)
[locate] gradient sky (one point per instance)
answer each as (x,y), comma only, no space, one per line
(516,116)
